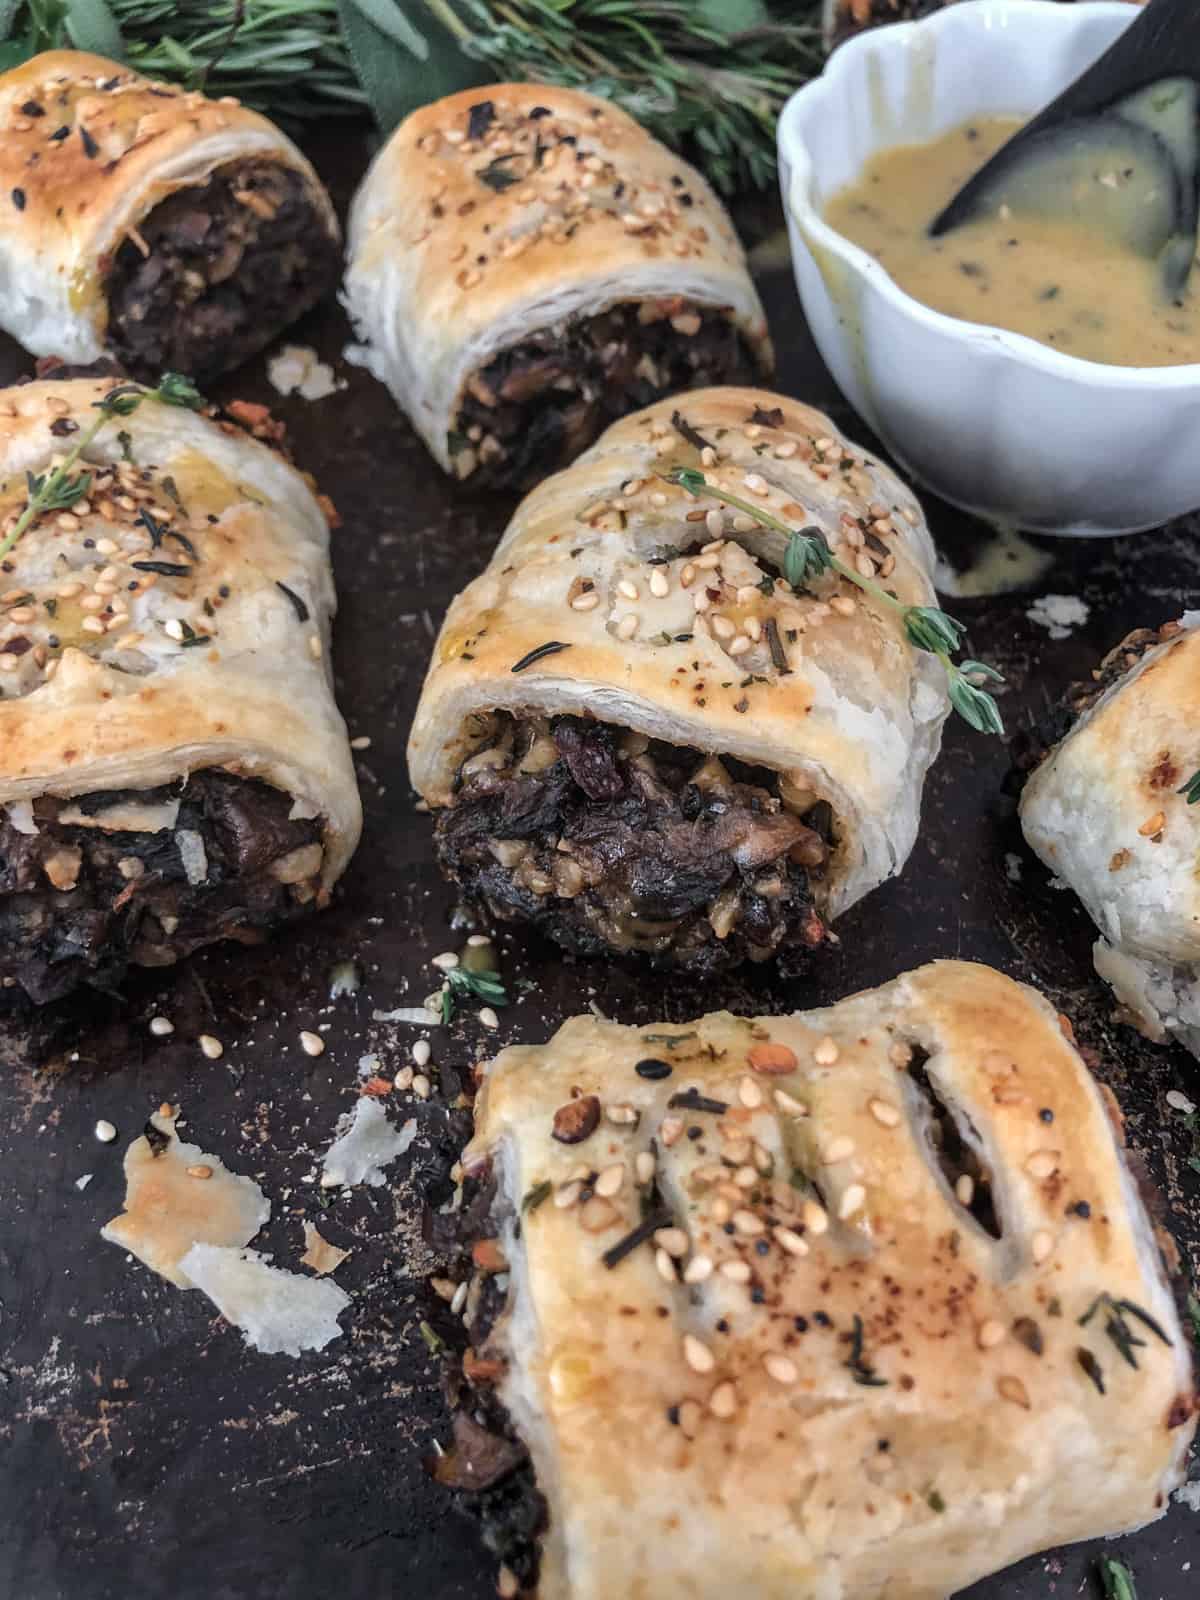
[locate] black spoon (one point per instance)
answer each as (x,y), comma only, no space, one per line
(1117,150)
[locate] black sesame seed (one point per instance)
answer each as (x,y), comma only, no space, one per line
(883,1444)
(761,1247)
(757,1295)
(694,1133)
(822,1321)
(673,1416)
(653,1069)
(723,1326)
(18,199)
(90,148)
(32,109)
(1082,1209)
(1046,1114)
(60,134)
(729,1227)
(800,1324)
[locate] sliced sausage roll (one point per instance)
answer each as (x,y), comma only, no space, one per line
(1114,809)
(150,224)
(854,1302)
(173,768)
(527,264)
(638,737)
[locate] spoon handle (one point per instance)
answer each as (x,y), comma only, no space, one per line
(1163,41)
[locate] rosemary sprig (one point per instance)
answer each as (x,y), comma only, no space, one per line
(462,985)
(1117,1579)
(64,487)
(927,628)
(1117,1328)
(1192,789)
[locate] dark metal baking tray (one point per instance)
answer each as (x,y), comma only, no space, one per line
(144,1450)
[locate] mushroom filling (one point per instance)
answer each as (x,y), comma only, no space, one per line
(609,841)
(538,404)
(140,877)
(213,273)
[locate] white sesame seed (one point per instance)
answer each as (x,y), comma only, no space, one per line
(644,1166)
(659,584)
(315,648)
(658,498)
(160,1027)
(826,1052)
(788,1239)
(587,601)
(786,450)
(788,1104)
(669,1130)
(837,1150)
(885,1113)
(756,484)
(722,1402)
(852,1201)
(488,1017)
(745,1177)
(673,1240)
(664,1266)
(447,961)
(421,1052)
(173,628)
(991,1333)
(735,1271)
(698,1269)
(744,524)
(478,940)
(780,1368)
(747,1223)
(899,1054)
(211,1047)
(622,1113)
(628,588)
(421,1086)
(628,625)
(1042,1245)
(708,456)
(739,646)
(403,1079)
(312,1043)
(714,521)
(843,605)
(708,562)
(964,1188)
(814,1217)
(610,1180)
(697,1354)
(566,1195)
(750,1094)
(1041,1164)
(105,1131)
(687,574)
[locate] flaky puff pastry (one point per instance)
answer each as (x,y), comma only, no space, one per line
(829,694)
(827,1379)
(451,262)
(87,149)
(1105,812)
(119,676)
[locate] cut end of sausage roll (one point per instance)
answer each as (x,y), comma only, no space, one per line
(640,737)
(149,223)
(829,1297)
(526,267)
(1110,808)
(174,769)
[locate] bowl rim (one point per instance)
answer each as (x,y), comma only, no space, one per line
(977,18)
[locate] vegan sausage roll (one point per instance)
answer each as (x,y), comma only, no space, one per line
(173,767)
(150,224)
(527,264)
(637,736)
(853,1302)
(1114,809)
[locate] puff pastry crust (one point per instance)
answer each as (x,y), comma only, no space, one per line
(88,149)
(828,1379)
(118,676)
(1104,811)
(453,259)
(849,710)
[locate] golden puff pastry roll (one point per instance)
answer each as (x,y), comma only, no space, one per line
(150,224)
(527,264)
(1113,809)
(854,1302)
(173,767)
(638,736)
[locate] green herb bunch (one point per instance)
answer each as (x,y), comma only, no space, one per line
(808,557)
(706,76)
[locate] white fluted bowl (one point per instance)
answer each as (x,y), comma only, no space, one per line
(990,420)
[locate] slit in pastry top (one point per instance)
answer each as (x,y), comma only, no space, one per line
(742,1296)
(639,737)
(527,264)
(149,223)
(173,767)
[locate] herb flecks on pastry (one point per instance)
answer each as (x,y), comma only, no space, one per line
(149,223)
(527,266)
(1111,808)
(640,736)
(854,1300)
(173,768)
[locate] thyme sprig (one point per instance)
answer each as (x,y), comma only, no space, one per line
(1192,789)
(927,628)
(462,985)
(64,487)
(1117,1579)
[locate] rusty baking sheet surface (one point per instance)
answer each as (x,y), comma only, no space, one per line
(143,1449)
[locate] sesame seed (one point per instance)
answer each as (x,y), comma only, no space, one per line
(315,647)
(789,1105)
(610,1180)
(708,456)
(1013,1389)
(669,1130)
(200,1170)
(659,584)
(697,1354)
(747,1223)
(698,1269)
(744,524)
(173,628)
(92,625)
(628,625)
(837,1150)
(687,575)
(991,1333)
(587,601)
(673,1240)
(780,1368)
(843,605)
(567,1194)
(885,1113)
(739,646)
(723,628)
(1041,1164)
(964,1189)
(446,962)
(403,1079)
(664,1266)
(96,602)
(211,1047)
(1042,1245)
(160,1027)
(723,1400)
(750,1094)
(746,1177)
(459,1299)
(643,1166)
(815,1219)
(786,450)
(826,1052)
(1153,825)
(756,484)
(312,1043)
(788,1239)
(488,1017)
(735,1271)
(852,1201)
(714,521)
(628,588)
(105,1131)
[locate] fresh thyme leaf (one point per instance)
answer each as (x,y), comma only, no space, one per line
(860,1368)
(807,556)
(174,389)
(462,985)
(537,1195)
(1192,789)
(975,706)
(935,1502)
(434,1342)
(498,175)
(931,629)
(125,440)
(688,478)
(1117,1579)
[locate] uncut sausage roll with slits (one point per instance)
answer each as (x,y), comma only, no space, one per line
(1113,808)
(854,1302)
(173,767)
(639,738)
(150,224)
(527,263)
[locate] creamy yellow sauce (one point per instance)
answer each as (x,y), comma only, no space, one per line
(1046,276)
